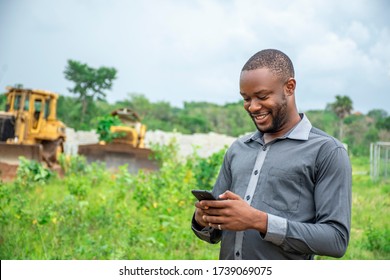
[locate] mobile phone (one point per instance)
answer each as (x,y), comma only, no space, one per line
(203,195)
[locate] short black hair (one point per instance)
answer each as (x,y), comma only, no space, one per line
(274,60)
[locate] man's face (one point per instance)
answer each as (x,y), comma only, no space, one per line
(265,100)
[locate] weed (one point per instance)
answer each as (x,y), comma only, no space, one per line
(377,239)
(32,171)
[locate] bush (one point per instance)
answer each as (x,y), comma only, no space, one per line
(32,171)
(377,239)
(104,125)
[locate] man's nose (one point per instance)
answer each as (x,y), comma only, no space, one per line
(254,106)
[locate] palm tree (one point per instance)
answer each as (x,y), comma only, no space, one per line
(342,107)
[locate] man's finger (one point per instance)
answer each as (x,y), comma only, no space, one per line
(213,204)
(201,206)
(214,219)
(212,211)
(229,195)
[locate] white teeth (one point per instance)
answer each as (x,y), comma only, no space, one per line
(260,117)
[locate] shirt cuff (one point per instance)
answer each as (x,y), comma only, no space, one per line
(207,233)
(276,229)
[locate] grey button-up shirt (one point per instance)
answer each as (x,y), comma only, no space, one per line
(303,182)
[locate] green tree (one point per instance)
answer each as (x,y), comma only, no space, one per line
(359,133)
(382,120)
(324,120)
(89,83)
(384,124)
(3,101)
(69,108)
(342,107)
(137,102)
(237,121)
(377,114)
(159,115)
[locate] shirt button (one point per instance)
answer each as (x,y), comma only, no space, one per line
(238,253)
(256,172)
(264,147)
(248,197)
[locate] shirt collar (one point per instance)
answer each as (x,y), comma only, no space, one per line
(300,132)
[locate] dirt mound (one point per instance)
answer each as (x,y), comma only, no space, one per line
(7,171)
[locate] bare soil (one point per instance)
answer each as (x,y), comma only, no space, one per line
(7,172)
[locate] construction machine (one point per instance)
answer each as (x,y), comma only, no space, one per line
(29,127)
(128,148)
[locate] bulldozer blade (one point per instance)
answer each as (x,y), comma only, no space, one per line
(115,155)
(10,153)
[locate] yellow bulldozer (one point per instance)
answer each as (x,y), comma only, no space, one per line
(128,148)
(29,127)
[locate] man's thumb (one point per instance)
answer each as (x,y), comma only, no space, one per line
(229,195)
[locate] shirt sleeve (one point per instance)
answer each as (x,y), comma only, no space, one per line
(329,235)
(207,234)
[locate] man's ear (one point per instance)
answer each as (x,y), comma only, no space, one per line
(290,86)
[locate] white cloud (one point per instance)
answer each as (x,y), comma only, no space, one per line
(358,32)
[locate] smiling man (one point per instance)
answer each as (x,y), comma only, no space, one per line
(285,190)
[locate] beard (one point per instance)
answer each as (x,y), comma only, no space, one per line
(279,119)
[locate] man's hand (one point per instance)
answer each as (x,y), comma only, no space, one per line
(231,213)
(199,213)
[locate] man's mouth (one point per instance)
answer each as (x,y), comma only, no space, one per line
(260,117)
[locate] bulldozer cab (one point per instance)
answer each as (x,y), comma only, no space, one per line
(39,109)
(29,126)
(35,114)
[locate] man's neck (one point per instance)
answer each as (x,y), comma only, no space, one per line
(268,137)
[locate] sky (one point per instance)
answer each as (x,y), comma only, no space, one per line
(182,51)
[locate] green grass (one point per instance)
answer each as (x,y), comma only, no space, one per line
(370,230)
(47,222)
(91,214)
